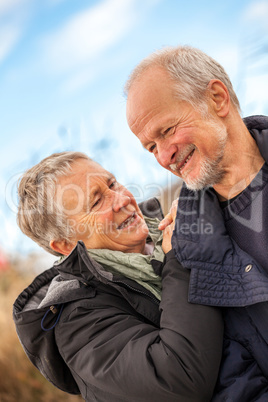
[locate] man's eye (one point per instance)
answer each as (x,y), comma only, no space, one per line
(152,148)
(168,130)
(113,184)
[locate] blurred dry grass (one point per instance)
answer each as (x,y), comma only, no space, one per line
(20,381)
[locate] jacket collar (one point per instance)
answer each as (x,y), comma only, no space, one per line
(258,128)
(78,264)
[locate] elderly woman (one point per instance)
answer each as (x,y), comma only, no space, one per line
(102,322)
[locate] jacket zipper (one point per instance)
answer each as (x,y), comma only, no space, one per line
(152,297)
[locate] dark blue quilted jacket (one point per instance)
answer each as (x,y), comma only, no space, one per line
(224,275)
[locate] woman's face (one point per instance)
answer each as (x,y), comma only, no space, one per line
(103,213)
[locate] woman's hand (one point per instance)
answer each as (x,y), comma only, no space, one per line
(170,217)
(167,225)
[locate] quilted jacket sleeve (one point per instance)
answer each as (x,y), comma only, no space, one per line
(117,355)
(222,274)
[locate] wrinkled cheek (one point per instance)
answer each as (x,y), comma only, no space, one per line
(107,227)
(85,230)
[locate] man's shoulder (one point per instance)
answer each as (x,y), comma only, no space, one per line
(259,122)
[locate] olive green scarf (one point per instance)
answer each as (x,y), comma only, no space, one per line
(135,266)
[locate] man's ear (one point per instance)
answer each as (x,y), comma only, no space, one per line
(61,246)
(219,97)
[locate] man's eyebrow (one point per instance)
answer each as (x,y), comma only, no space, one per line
(149,136)
(110,176)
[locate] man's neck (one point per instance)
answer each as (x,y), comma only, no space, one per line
(242,163)
(228,191)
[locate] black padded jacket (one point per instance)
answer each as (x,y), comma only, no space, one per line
(108,338)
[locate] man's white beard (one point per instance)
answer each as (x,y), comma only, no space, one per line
(211,172)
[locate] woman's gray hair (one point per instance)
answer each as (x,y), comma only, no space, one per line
(190,69)
(39,216)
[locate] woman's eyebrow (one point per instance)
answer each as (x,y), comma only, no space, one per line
(95,190)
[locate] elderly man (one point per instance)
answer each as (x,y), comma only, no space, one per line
(182,107)
(101,322)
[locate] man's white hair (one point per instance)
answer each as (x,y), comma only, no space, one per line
(190,69)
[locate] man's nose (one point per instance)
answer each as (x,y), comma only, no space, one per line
(167,153)
(120,201)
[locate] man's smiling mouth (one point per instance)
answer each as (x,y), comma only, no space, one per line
(180,166)
(128,221)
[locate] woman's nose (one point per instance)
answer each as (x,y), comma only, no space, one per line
(121,200)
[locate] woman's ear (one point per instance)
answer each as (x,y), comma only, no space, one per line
(219,97)
(61,246)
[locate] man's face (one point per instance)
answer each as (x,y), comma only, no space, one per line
(103,213)
(183,141)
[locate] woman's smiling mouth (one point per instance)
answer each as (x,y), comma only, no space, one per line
(128,221)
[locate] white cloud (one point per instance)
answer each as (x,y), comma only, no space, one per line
(13,16)
(256,94)
(9,35)
(228,57)
(8,5)
(54,2)
(87,34)
(79,80)
(257,12)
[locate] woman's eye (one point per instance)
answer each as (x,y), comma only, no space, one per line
(96,203)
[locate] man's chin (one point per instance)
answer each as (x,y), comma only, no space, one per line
(193,186)
(196,184)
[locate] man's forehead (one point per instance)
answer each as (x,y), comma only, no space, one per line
(141,110)
(151,74)
(147,95)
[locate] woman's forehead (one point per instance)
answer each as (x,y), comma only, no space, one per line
(86,165)
(85,179)
(86,175)
(84,169)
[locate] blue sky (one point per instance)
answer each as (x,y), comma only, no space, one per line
(63,65)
